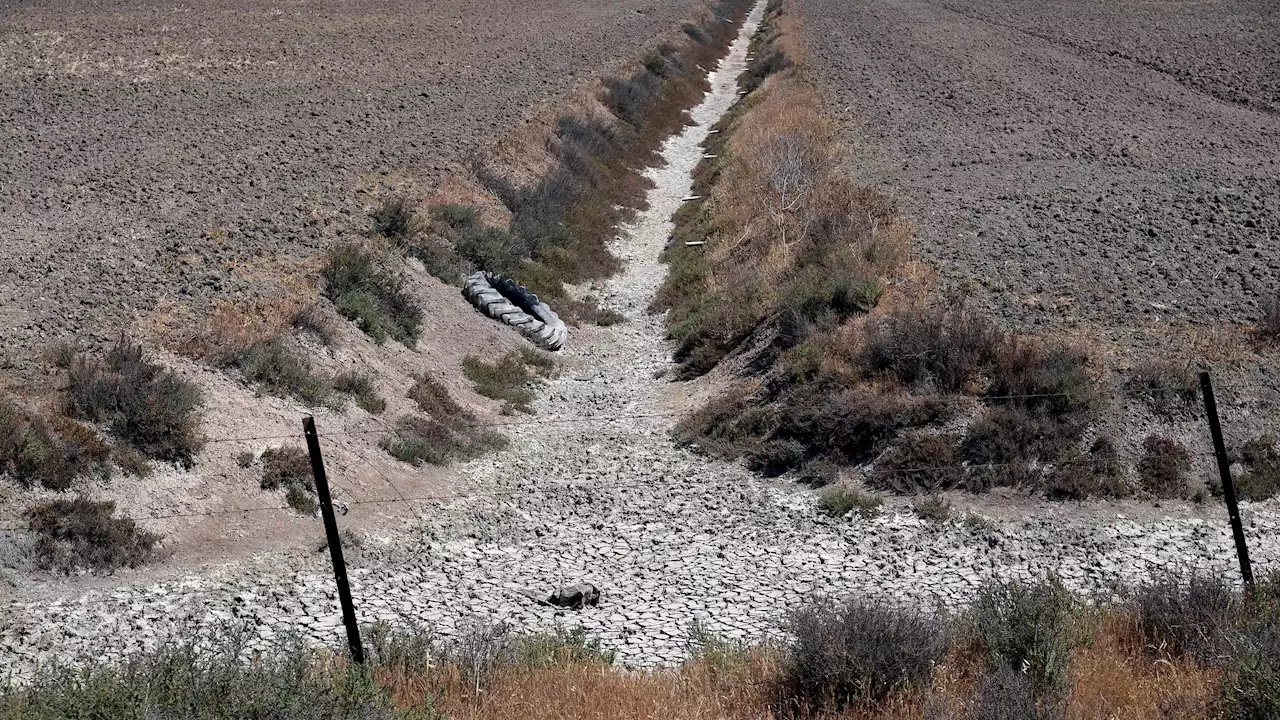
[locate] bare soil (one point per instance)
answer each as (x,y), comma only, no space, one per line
(159,153)
(1109,167)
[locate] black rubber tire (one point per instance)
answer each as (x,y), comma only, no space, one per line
(504,300)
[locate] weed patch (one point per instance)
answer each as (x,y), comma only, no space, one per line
(81,534)
(1167,387)
(417,440)
(370,295)
(1030,628)
(143,404)
(1261,477)
(511,378)
(1164,467)
(918,464)
(933,508)
(279,370)
(360,387)
(289,467)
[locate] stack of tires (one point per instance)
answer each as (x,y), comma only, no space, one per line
(502,299)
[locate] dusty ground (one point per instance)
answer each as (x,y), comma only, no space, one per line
(1057,179)
(182,153)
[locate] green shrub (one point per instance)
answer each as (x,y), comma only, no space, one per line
(360,386)
(299,499)
(1164,466)
(36,452)
(492,249)
(511,378)
(847,653)
(143,404)
(369,295)
(418,440)
(1030,628)
(82,534)
(278,370)
(1251,685)
(205,679)
(838,500)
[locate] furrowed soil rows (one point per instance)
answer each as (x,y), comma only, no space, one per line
(593,490)
(1093,165)
(185,154)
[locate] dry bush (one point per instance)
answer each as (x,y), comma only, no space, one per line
(933,508)
(857,651)
(1185,614)
(1164,467)
(82,534)
(369,294)
(289,467)
(143,404)
(311,318)
(1268,328)
(511,378)
(51,454)
(395,218)
(1261,477)
(919,463)
(1168,387)
(948,348)
(1097,474)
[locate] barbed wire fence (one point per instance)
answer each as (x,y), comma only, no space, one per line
(349,497)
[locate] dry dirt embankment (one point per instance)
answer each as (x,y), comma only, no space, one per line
(156,154)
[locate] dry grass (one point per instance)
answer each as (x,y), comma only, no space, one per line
(1110,678)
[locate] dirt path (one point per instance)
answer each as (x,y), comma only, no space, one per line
(593,490)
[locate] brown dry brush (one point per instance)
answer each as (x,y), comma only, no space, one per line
(805,282)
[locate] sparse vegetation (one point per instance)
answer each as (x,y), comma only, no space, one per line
(418,440)
(1261,477)
(143,404)
(80,534)
(933,508)
(289,467)
(360,387)
(367,293)
(34,452)
(511,378)
(311,318)
(279,370)
(839,500)
(1164,467)
(848,653)
(1166,386)
(1096,474)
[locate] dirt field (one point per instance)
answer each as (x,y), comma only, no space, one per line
(1097,166)
(154,152)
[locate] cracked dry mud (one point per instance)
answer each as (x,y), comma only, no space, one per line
(670,537)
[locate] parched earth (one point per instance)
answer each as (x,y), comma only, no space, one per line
(1091,165)
(593,490)
(152,151)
